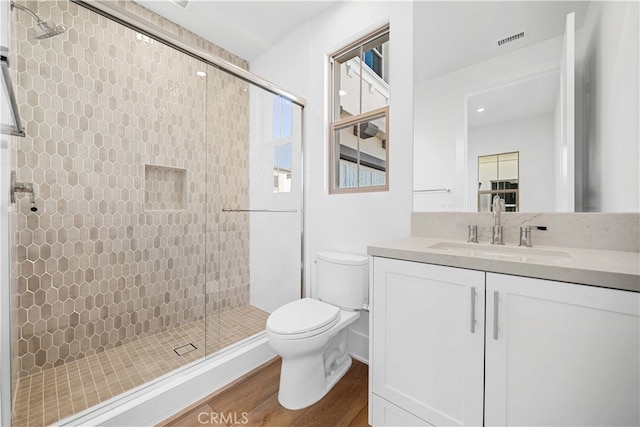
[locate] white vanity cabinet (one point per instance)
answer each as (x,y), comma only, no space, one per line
(552,353)
(427,343)
(561,354)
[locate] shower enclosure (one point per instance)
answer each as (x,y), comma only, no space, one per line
(168,188)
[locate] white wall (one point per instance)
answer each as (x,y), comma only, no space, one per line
(533,138)
(608,61)
(439,132)
(348,222)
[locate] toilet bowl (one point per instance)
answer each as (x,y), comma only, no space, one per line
(314,355)
(311,335)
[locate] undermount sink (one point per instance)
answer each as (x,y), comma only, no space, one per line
(513,253)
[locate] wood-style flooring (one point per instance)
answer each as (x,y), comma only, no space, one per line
(254,402)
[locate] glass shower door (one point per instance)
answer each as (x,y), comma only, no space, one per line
(276,176)
(256,207)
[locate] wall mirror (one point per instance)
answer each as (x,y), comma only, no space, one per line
(555,82)
(511,143)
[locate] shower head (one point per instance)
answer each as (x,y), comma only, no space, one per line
(46,28)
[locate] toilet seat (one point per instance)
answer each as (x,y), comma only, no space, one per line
(302,318)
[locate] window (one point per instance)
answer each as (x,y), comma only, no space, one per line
(359,119)
(282,131)
(282,168)
(281,117)
(498,174)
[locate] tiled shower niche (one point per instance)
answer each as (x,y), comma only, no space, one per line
(164,188)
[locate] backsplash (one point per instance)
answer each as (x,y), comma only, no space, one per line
(604,231)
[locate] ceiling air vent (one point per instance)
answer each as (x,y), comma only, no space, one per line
(182,3)
(511,38)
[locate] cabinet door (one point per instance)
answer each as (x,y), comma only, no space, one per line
(561,354)
(388,414)
(428,340)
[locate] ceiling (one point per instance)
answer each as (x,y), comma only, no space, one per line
(448,34)
(246,28)
(529,98)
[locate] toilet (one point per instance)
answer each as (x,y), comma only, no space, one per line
(310,334)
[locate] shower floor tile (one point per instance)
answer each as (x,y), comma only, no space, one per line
(46,397)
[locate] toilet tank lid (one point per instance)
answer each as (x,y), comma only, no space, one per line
(343,258)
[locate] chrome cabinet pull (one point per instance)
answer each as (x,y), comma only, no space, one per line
(473,310)
(495,315)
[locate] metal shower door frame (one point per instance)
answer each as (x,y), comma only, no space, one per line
(130,20)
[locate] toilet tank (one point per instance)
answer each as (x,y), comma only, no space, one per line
(342,279)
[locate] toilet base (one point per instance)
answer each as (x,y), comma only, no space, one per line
(338,373)
(306,379)
(311,366)
(306,392)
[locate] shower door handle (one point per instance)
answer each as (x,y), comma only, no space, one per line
(261,210)
(16,129)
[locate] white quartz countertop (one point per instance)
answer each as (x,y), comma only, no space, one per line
(608,269)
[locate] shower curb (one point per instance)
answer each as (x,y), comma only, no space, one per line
(154,403)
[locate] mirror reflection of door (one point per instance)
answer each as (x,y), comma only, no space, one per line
(498,174)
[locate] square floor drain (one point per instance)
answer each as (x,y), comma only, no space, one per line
(181,351)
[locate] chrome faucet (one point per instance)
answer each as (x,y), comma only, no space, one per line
(498,208)
(525,234)
(473,234)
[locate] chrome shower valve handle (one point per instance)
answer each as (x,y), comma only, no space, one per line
(22,187)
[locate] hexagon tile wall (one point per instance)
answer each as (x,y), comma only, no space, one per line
(96,268)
